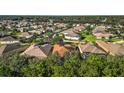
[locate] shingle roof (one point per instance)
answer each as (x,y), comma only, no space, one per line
(70,32)
(100,29)
(61,50)
(8,48)
(25,34)
(46,48)
(38,51)
(78,28)
(112,48)
(8,38)
(91,48)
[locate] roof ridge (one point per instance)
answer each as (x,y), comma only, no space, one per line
(3,48)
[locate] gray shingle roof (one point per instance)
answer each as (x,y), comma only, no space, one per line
(46,49)
(8,48)
(8,38)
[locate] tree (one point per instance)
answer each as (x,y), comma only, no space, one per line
(71,64)
(92,66)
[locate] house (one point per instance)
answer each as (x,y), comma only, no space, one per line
(70,47)
(99,29)
(8,40)
(11,48)
(59,49)
(25,35)
(60,25)
(78,28)
(102,35)
(39,51)
(99,32)
(69,34)
(109,26)
(111,48)
(90,48)
(86,24)
(49,29)
(20,29)
(35,31)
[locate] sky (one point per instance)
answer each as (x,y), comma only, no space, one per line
(61,7)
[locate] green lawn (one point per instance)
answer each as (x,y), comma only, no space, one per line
(122,34)
(89,38)
(115,39)
(1,45)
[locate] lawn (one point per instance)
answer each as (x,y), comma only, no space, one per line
(122,34)
(1,45)
(120,42)
(89,38)
(115,39)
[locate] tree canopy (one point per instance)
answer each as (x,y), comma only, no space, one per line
(72,65)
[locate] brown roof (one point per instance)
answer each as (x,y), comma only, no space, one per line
(78,28)
(112,48)
(60,25)
(38,51)
(25,34)
(102,34)
(70,32)
(61,50)
(91,48)
(99,29)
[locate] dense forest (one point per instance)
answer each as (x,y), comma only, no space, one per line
(54,66)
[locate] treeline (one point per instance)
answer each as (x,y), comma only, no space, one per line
(71,19)
(70,66)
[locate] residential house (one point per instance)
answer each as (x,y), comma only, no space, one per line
(50,29)
(71,35)
(8,40)
(60,25)
(99,32)
(35,31)
(111,48)
(90,48)
(11,48)
(70,47)
(87,24)
(102,35)
(78,28)
(20,29)
(39,51)
(59,49)
(25,35)
(108,26)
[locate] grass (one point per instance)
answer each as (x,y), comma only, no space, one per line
(122,34)
(48,33)
(120,42)
(115,39)
(1,45)
(89,38)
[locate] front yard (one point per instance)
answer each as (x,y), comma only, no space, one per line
(89,38)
